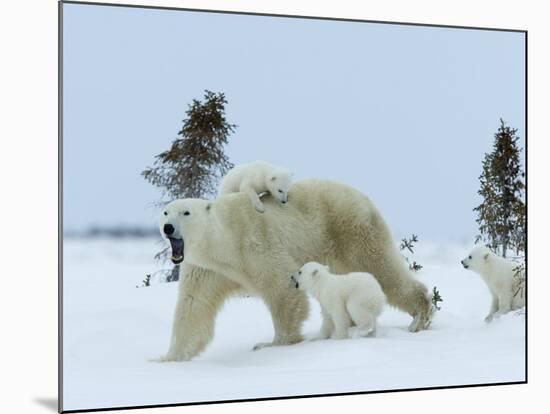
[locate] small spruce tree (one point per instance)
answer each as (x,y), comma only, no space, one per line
(146,282)
(502,213)
(196,161)
(436,298)
(409,245)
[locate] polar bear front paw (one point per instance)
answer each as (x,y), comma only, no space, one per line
(259,207)
(261,345)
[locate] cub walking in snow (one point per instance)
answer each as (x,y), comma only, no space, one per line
(256,178)
(353,298)
(499,275)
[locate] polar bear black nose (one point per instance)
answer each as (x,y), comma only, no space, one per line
(168,229)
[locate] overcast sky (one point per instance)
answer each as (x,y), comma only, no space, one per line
(402,113)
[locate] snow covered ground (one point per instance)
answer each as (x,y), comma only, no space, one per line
(112,330)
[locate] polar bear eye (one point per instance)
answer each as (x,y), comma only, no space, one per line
(165,213)
(186,213)
(469,257)
(300,272)
(281,191)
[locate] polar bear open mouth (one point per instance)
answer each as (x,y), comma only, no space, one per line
(177,250)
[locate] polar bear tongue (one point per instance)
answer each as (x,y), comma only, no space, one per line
(177,250)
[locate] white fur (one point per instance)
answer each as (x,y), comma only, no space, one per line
(229,248)
(498,274)
(346,300)
(256,178)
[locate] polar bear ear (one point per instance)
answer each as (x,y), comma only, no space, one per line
(486,256)
(208,206)
(273,178)
(315,272)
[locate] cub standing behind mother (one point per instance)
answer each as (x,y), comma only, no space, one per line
(499,275)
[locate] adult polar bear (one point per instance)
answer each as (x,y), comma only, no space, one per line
(230,248)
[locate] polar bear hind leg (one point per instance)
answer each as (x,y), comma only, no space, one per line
(362,317)
(363,243)
(402,290)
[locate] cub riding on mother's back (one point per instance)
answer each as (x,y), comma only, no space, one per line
(256,178)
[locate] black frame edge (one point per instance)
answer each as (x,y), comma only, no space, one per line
(294,16)
(446,387)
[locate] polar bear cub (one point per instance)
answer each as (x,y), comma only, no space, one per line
(346,300)
(256,178)
(499,275)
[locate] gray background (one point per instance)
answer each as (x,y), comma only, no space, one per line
(402,113)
